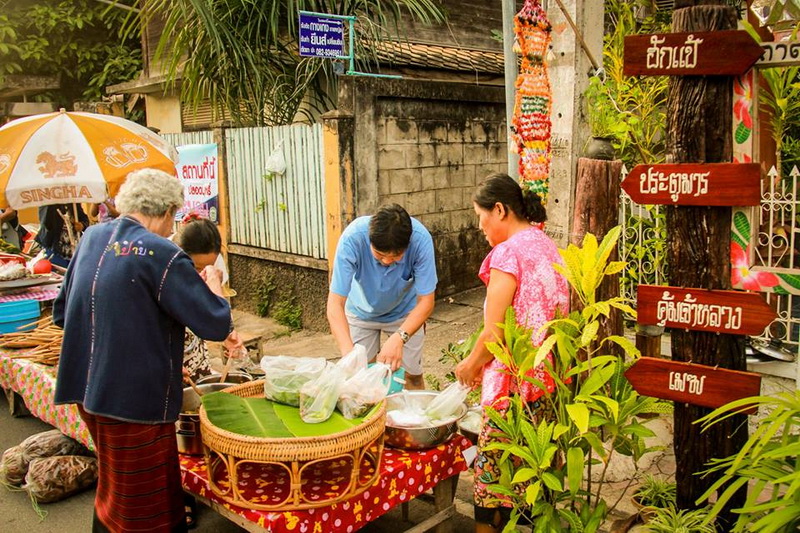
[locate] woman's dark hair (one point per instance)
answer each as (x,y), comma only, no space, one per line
(502,188)
(390,229)
(200,236)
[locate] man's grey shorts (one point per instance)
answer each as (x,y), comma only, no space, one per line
(368,334)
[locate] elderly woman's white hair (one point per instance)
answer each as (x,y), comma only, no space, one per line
(151,192)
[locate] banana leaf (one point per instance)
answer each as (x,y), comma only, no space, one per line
(258,417)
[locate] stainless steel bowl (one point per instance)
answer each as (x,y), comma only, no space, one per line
(467,432)
(418,438)
(187,428)
(233,378)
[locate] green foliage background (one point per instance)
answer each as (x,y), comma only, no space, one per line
(79,40)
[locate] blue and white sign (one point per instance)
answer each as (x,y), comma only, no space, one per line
(321,36)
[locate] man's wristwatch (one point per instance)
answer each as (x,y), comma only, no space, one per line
(403,335)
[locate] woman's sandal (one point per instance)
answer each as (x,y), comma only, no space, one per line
(191,511)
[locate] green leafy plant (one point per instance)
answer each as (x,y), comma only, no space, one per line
(546,463)
(655,492)
(671,520)
(454,353)
(288,313)
(605,118)
(767,465)
(264,296)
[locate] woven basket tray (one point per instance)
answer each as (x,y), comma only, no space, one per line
(359,445)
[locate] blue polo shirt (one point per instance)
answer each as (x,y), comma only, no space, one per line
(376,292)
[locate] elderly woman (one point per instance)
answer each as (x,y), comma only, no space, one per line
(127,297)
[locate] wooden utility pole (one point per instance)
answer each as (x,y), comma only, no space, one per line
(699,122)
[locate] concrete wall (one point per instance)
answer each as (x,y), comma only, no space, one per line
(426,145)
(308,287)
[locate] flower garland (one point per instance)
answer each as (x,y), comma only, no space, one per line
(530,124)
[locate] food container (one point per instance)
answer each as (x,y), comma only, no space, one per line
(187,428)
(418,438)
(233,378)
(468,431)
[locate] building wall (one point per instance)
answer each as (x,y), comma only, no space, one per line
(426,146)
(164,113)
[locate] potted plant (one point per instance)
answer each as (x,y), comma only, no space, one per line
(546,470)
(671,520)
(606,121)
(654,493)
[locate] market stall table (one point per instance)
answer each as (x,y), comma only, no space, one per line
(404,474)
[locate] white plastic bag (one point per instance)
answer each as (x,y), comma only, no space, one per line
(447,404)
(318,398)
(353,362)
(364,390)
(276,163)
(284,376)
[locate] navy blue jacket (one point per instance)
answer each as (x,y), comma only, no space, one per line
(127,296)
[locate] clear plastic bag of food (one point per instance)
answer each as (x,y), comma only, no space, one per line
(13,467)
(353,362)
(364,390)
(50,443)
(50,479)
(284,376)
(447,404)
(318,398)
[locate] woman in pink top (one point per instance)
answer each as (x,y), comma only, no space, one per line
(517,272)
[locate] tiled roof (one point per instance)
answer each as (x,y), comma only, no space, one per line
(436,56)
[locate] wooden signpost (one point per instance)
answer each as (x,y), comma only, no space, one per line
(780,54)
(701,385)
(733,312)
(717,53)
(717,184)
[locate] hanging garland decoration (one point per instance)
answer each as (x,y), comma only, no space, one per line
(530,124)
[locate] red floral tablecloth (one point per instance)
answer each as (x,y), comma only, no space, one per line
(36,384)
(404,475)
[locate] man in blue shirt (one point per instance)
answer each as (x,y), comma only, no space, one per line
(384,279)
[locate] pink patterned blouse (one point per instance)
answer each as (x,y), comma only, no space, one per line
(528,255)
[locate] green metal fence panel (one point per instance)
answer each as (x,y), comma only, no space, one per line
(280,212)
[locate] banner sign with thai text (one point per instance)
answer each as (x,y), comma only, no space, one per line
(198,170)
(733,312)
(711,184)
(716,53)
(701,385)
(321,35)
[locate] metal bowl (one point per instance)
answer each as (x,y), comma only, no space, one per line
(233,378)
(187,427)
(418,438)
(471,435)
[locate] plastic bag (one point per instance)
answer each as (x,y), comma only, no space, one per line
(318,398)
(353,362)
(50,479)
(364,390)
(276,163)
(447,403)
(13,467)
(284,376)
(411,414)
(50,443)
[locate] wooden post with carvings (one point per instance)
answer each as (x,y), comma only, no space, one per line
(596,211)
(699,122)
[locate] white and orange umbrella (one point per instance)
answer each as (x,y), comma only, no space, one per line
(74,157)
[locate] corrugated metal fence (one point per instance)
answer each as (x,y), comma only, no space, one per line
(282,213)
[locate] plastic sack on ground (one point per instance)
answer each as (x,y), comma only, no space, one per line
(318,398)
(50,479)
(285,375)
(365,389)
(353,362)
(446,404)
(49,443)
(13,467)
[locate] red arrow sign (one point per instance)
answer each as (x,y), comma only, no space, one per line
(724,184)
(714,53)
(694,384)
(734,312)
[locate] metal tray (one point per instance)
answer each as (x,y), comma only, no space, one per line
(31,281)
